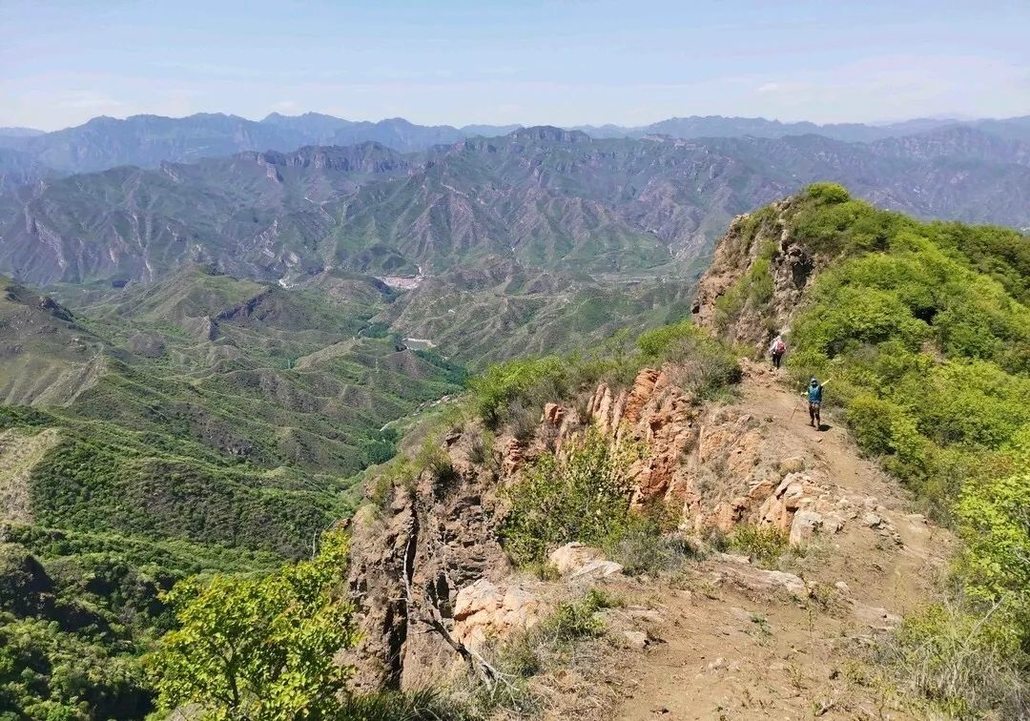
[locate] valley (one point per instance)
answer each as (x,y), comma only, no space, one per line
(206,363)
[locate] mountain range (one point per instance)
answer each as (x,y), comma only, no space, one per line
(148,140)
(547,199)
(239,318)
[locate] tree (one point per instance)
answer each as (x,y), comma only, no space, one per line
(260,648)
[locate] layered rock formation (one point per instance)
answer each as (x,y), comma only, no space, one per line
(410,559)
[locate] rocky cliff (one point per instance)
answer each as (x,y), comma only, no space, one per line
(730,304)
(428,568)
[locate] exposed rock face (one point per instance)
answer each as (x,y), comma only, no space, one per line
(716,467)
(660,417)
(484,610)
(430,565)
(411,561)
(792,266)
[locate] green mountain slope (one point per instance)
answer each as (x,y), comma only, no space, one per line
(155,432)
(922,331)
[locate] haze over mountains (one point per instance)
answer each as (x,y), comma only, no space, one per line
(147,140)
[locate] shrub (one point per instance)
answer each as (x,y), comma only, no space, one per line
(708,365)
(482,448)
(503,384)
(645,544)
(572,621)
(526,654)
(581,495)
(762,544)
(994,518)
(753,290)
(827,193)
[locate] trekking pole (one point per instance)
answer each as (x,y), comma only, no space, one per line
(792,413)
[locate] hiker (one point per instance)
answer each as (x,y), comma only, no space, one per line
(777,348)
(815,399)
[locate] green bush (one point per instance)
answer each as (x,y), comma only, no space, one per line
(503,384)
(994,519)
(581,495)
(752,290)
(764,544)
(572,621)
(827,193)
(647,543)
(708,365)
(963,664)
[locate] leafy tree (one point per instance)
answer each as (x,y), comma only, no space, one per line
(260,648)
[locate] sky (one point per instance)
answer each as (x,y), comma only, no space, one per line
(565,62)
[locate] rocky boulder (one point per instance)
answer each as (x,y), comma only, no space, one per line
(577,560)
(484,610)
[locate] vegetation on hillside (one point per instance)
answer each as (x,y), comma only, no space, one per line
(78,609)
(924,330)
(506,393)
(583,493)
(580,495)
(261,647)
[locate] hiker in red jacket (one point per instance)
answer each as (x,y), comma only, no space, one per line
(776,349)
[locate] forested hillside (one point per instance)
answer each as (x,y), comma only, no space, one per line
(200,424)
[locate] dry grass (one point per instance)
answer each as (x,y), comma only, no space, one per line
(959,664)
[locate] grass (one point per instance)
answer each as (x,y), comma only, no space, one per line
(420,705)
(960,664)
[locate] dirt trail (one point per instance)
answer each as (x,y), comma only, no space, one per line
(732,641)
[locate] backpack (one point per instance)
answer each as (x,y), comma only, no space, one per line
(779,346)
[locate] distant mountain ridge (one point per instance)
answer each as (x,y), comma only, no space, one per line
(17,132)
(148,140)
(549,199)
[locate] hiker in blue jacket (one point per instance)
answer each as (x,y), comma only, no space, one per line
(815,400)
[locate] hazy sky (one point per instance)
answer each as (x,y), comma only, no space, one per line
(525,61)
